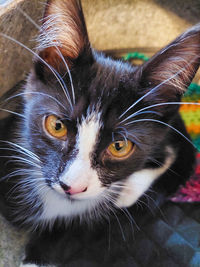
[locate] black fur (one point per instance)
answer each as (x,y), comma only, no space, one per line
(108,87)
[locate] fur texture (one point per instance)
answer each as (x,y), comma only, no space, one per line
(100,101)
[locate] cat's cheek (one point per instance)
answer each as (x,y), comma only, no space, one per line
(139,182)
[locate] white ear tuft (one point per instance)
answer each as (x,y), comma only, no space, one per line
(176,64)
(63,30)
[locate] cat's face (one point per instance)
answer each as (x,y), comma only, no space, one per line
(86,152)
(97,139)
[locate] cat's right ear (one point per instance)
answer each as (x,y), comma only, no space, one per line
(168,74)
(63,36)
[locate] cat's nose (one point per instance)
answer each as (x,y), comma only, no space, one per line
(72,190)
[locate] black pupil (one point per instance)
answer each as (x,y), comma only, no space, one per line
(118,146)
(58,125)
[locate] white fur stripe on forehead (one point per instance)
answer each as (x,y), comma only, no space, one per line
(88,131)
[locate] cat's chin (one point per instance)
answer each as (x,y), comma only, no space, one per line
(58,205)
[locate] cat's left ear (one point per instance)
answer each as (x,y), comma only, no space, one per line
(172,69)
(63,34)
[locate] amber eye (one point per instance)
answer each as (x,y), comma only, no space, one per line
(55,127)
(121,149)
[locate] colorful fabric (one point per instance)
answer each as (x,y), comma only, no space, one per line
(191,116)
(191,113)
(191,191)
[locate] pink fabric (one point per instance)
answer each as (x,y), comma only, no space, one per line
(191,191)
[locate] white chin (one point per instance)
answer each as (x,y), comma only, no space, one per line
(58,205)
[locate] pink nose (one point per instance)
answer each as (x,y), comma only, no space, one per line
(72,190)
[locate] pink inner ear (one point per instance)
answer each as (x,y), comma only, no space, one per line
(51,56)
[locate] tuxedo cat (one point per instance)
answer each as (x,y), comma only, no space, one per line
(87,134)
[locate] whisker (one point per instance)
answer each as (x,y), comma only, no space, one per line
(120,226)
(123,129)
(25,185)
(109,197)
(166,124)
(119,184)
(69,73)
(20,152)
(128,216)
(139,203)
(22,172)
(139,113)
(155,204)
(35,93)
(130,136)
(155,88)
(20,160)
(41,188)
(147,205)
(157,105)
(160,164)
(12,174)
(12,112)
(56,74)
(63,59)
(21,149)
(124,136)
(134,139)
(131,217)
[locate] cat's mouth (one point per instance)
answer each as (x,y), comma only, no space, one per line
(59,190)
(80,194)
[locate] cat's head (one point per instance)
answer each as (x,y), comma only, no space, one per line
(97,126)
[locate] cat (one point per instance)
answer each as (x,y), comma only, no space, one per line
(88,134)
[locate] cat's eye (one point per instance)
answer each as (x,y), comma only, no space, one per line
(55,127)
(121,149)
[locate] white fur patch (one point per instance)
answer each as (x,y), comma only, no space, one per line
(57,206)
(139,182)
(79,173)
